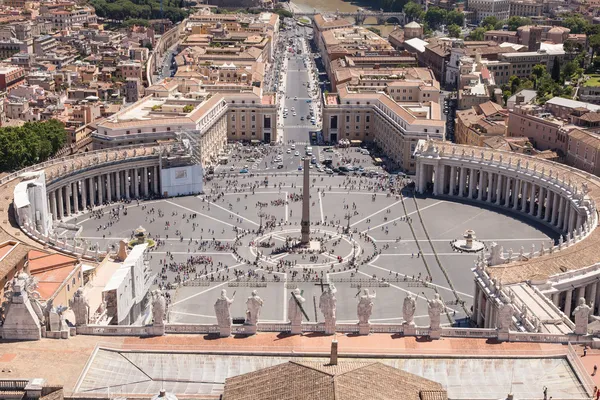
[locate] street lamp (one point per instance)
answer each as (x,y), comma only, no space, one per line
(347,217)
(261,215)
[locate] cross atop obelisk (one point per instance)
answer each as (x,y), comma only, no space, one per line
(305,223)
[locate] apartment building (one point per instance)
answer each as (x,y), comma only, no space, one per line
(583,151)
(526,8)
(489,8)
(394,115)
(479,123)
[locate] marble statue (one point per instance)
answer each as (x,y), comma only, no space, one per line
(435,308)
(364,309)
(408,310)
(505,317)
(253,305)
(542,249)
(581,314)
(222,306)
(81,308)
(294,310)
(327,305)
(159,307)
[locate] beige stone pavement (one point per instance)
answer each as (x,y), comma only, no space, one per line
(62,361)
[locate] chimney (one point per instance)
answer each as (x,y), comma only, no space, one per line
(520,99)
(509,397)
(334,352)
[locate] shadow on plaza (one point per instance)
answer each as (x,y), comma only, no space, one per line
(518,216)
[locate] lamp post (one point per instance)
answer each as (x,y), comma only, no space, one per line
(261,215)
(347,217)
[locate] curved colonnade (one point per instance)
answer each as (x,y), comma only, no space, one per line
(555,195)
(77,183)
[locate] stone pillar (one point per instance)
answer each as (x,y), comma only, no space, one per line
(480,188)
(84,194)
(100,189)
(548,210)
(472,183)
(532,199)
(109,195)
(452,181)
(555,208)
(597,299)
(136,182)
(462,181)
(118,184)
(475,303)
(579,221)
(541,197)
(68,200)
(592,296)
(568,299)
(436,179)
(127,185)
(561,213)
(418,173)
(498,189)
(565,222)
(555,298)
(145,181)
(524,194)
(580,293)
(156,172)
(488,313)
(61,206)
(572,218)
(479,309)
(76,196)
(490,187)
(507,192)
(53,204)
(515,194)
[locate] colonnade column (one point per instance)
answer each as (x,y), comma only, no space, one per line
(498,190)
(452,183)
(145,181)
(489,187)
(524,196)
(136,183)
(568,299)
(507,192)
(472,183)
(532,199)
(541,198)
(515,195)
(156,171)
(109,194)
(480,188)
(118,184)
(53,204)
(76,196)
(555,208)
(565,222)
(572,218)
(549,199)
(68,200)
(461,181)
(127,192)
(592,297)
(61,206)
(100,189)
(84,194)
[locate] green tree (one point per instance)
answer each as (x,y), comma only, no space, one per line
(515,22)
(576,23)
(594,42)
(454,31)
(491,22)
(374,30)
(413,11)
(284,13)
(455,17)
(477,34)
(435,17)
(32,143)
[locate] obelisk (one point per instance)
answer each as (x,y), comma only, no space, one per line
(305,223)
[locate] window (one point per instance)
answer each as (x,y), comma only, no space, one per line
(168,129)
(153,129)
(357,118)
(347,118)
(368,119)
(333,122)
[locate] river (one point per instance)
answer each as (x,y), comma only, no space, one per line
(330,6)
